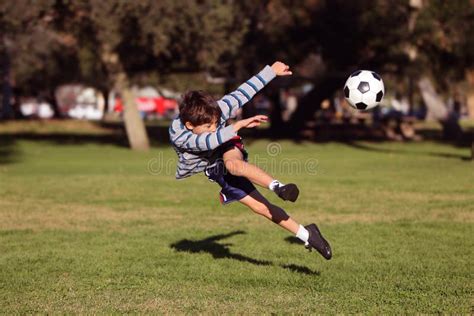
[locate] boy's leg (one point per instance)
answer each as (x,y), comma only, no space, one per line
(310,234)
(260,205)
(237,166)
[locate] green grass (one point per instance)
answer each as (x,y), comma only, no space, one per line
(88,228)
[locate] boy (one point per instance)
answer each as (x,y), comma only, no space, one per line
(204,142)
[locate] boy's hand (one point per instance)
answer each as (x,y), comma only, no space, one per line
(250,122)
(281,69)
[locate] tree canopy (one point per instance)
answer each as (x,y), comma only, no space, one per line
(50,42)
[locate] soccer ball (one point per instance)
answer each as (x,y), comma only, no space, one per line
(364,89)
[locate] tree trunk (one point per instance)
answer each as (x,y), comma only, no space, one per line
(310,103)
(105,93)
(472,151)
(276,122)
(136,132)
(134,126)
(437,109)
(470,92)
(49,97)
(6,109)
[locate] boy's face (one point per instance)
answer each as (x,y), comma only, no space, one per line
(203,128)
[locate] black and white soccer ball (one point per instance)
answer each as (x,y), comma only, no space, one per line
(364,89)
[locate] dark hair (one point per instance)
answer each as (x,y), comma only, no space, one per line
(199,107)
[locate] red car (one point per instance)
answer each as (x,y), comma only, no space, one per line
(159,106)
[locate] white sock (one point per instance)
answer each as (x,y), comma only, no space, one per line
(303,234)
(274,184)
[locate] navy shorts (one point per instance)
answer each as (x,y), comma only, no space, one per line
(234,188)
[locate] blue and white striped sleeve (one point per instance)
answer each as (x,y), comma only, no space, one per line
(233,101)
(184,139)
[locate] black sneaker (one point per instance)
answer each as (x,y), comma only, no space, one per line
(288,192)
(317,241)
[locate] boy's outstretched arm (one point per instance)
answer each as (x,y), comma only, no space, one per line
(186,140)
(233,101)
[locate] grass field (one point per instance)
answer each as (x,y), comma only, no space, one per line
(93,227)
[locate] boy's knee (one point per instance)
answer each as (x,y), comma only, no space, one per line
(235,166)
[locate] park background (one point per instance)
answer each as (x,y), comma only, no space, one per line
(92,219)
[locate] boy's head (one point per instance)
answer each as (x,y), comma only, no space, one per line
(199,112)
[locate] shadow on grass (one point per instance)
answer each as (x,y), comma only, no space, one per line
(108,134)
(293,240)
(111,134)
(8,151)
(69,138)
(301,269)
(392,151)
(220,251)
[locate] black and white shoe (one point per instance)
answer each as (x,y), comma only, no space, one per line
(317,241)
(287,192)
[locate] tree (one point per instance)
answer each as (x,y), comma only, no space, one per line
(110,44)
(348,35)
(166,36)
(25,43)
(445,46)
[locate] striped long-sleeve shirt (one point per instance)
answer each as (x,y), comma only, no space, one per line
(195,151)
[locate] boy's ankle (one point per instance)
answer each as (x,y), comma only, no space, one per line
(275,184)
(287,192)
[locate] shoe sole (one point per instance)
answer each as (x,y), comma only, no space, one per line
(291,193)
